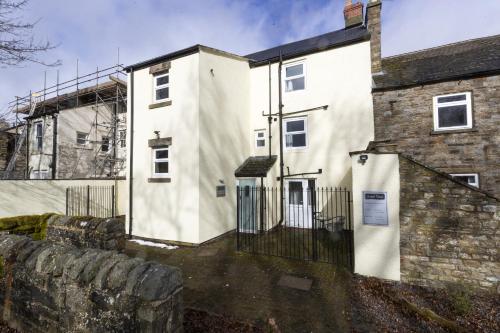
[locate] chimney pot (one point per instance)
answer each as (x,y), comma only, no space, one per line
(353,13)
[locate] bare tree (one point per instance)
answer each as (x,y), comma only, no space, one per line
(17,43)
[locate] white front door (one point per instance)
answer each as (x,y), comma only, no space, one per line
(298,209)
(248,214)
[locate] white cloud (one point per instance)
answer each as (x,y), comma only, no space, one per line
(409,25)
(92,30)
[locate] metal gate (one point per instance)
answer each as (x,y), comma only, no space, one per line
(96,201)
(314,224)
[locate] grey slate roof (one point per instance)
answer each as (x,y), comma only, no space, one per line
(256,166)
(318,43)
(309,45)
(454,61)
(106,90)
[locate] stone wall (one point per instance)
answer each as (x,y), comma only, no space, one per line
(4,143)
(48,287)
(7,146)
(84,161)
(99,233)
(405,117)
(74,160)
(449,231)
(34,226)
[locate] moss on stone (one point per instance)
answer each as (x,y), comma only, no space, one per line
(31,225)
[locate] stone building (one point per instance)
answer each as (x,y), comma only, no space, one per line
(8,135)
(78,135)
(441,106)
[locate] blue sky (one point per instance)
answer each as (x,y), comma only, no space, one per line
(93,30)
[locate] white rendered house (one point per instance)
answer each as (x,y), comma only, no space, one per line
(198,126)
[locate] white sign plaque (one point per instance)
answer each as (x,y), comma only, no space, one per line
(375,208)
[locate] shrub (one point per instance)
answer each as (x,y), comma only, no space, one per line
(460,298)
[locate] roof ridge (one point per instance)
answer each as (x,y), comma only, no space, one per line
(441,46)
(301,40)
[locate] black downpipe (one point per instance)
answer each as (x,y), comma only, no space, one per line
(280,116)
(261,216)
(54,146)
(270,118)
(238,217)
(28,130)
(131,148)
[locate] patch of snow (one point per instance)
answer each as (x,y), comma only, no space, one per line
(153,244)
(83,224)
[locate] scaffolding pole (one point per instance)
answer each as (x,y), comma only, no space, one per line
(76,93)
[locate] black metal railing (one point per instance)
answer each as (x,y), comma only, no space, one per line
(97,201)
(314,224)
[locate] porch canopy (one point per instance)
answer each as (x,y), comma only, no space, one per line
(256,166)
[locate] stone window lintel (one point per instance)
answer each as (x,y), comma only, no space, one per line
(160,142)
(160,68)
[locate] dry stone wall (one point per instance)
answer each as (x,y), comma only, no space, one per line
(449,231)
(99,233)
(49,287)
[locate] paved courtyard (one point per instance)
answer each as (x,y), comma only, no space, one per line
(298,296)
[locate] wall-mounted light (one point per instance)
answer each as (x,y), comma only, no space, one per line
(157,133)
(363,158)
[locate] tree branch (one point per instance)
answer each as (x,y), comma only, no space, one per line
(17,44)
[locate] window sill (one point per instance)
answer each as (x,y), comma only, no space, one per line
(82,147)
(295,91)
(159,180)
(160,104)
(295,149)
(452,131)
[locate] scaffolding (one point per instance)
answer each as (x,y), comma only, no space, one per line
(100,90)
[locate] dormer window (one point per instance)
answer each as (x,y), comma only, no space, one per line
(452,111)
(295,78)
(161,87)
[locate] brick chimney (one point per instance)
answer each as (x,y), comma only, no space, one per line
(373,24)
(353,13)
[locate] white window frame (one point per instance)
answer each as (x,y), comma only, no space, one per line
(104,137)
(285,121)
(257,138)
(467,103)
(123,138)
(285,78)
(155,160)
(475,175)
(86,138)
(161,86)
(39,139)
